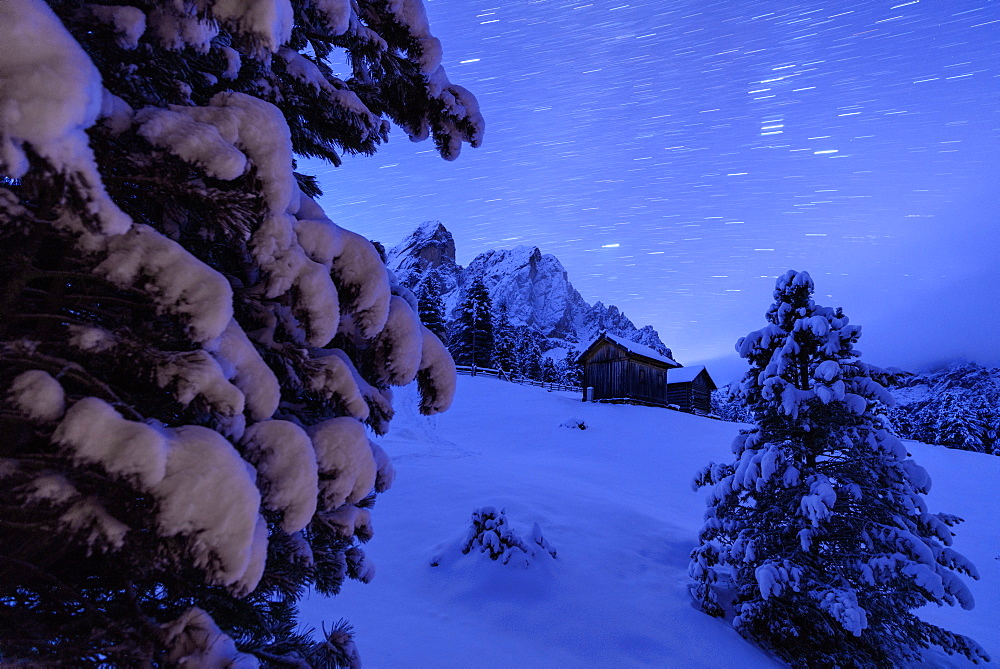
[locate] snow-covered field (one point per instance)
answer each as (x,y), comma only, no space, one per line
(615,501)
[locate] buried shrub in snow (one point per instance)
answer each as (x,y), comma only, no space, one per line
(493,536)
(819,527)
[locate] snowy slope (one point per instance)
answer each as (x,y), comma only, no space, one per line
(615,501)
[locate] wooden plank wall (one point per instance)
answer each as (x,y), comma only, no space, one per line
(612,374)
(701,396)
(648,382)
(692,396)
(680,394)
(606,373)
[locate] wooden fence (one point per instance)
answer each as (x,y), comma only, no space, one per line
(500,374)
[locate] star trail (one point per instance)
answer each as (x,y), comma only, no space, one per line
(677,156)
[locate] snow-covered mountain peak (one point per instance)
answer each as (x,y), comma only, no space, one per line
(533,286)
(515,258)
(429,247)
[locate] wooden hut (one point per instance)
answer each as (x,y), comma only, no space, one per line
(690,388)
(618,369)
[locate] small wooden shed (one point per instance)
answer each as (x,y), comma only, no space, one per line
(618,369)
(691,388)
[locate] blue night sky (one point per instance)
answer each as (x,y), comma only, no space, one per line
(677,156)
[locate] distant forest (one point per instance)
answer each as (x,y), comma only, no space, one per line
(957,406)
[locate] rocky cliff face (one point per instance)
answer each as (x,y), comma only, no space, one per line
(429,247)
(533,286)
(608,318)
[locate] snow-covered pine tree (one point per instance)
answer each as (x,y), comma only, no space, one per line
(528,353)
(989,418)
(431,306)
(190,350)
(956,423)
(471,337)
(817,538)
(549,372)
(570,372)
(504,341)
(728,404)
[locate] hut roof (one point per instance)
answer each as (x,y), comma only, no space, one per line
(632,347)
(688,374)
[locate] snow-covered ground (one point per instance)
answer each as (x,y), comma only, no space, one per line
(615,501)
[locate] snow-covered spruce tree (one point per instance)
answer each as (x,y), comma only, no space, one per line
(528,353)
(471,337)
(549,372)
(504,341)
(956,423)
(817,539)
(190,350)
(430,305)
(570,372)
(728,404)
